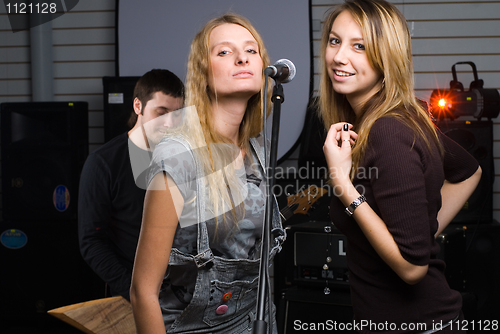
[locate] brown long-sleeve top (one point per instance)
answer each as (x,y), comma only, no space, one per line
(401,179)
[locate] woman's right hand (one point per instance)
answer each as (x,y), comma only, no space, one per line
(337,149)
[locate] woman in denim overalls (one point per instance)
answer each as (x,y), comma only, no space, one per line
(197,262)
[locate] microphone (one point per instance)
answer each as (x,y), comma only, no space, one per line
(283,71)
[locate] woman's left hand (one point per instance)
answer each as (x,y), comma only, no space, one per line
(337,149)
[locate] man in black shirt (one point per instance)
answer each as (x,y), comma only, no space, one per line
(112,184)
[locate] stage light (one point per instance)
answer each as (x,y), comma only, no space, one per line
(455,102)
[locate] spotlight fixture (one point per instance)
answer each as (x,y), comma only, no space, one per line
(455,102)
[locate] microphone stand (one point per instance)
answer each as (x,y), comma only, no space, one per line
(260,325)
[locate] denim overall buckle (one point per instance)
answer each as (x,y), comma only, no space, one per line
(201,259)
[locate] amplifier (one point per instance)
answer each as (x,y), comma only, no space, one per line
(318,254)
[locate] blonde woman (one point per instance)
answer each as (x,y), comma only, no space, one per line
(198,258)
(398,181)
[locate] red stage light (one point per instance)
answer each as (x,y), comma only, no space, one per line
(455,102)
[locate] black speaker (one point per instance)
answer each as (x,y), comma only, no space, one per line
(477,138)
(303,310)
(452,242)
(44,147)
(482,268)
(472,256)
(118,93)
(42,270)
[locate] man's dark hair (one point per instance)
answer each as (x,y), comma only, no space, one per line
(158,80)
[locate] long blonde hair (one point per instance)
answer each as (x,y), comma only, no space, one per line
(210,149)
(388,47)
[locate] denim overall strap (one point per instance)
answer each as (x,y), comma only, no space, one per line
(204,253)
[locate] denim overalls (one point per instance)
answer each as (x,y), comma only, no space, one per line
(225,293)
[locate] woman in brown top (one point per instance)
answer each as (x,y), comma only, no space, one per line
(398,181)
